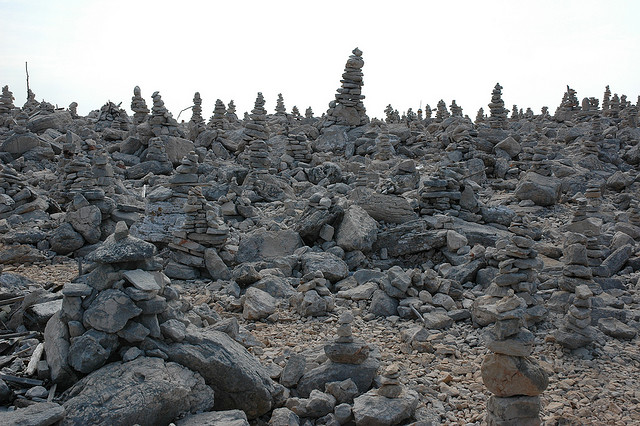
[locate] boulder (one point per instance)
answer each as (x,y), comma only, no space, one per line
(510,146)
(361,374)
(56,347)
(332,267)
(177,148)
(385,207)
(267,245)
(37,414)
(86,220)
(18,144)
(542,190)
(357,231)
(237,377)
(258,304)
(506,375)
(128,249)
(110,311)
(65,239)
(59,121)
(145,391)
(371,409)
(215,418)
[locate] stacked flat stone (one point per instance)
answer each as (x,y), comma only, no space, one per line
(157,151)
(230,115)
(280,108)
(73,109)
(139,107)
(186,175)
(614,107)
(196,110)
(256,134)
(498,117)
(22,118)
(390,385)
(218,120)
(630,115)
(299,149)
(442,113)
(634,213)
(313,298)
(427,112)
(576,331)
(203,224)
(480,116)
(514,378)
(593,194)
(161,120)
(345,349)
(384,147)
(111,116)
(456,111)
(31,104)
(111,310)
(6,101)
(77,175)
(308,113)
(348,108)
(439,194)
(295,112)
(606,101)
(103,171)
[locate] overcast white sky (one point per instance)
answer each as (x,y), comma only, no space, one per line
(414,51)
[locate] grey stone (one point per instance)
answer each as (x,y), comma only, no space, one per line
(174,330)
(507,376)
(65,239)
(437,321)
(332,267)
(284,417)
(110,311)
(615,328)
(542,190)
(128,249)
(343,391)
(357,231)
(383,305)
(215,265)
(293,370)
(38,414)
(56,346)
(355,352)
(373,410)
(145,391)
(258,304)
(513,409)
(91,351)
(361,374)
(86,221)
(275,286)
(215,418)
(142,280)
(267,245)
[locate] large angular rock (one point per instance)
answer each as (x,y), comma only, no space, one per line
(384,207)
(239,380)
(371,409)
(332,267)
(86,220)
(258,304)
(91,350)
(361,374)
(357,231)
(38,414)
(65,239)
(542,190)
(128,249)
(267,245)
(56,347)
(110,311)
(215,418)
(506,375)
(177,148)
(145,391)
(18,144)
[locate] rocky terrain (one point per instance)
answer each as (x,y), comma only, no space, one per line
(289,269)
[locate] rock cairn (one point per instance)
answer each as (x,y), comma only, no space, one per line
(480,116)
(345,349)
(348,108)
(606,101)
(439,194)
(314,297)
(231,113)
(441,112)
(6,101)
(568,106)
(218,119)
(514,378)
(498,117)
(295,112)
(280,108)
(161,120)
(384,147)
(308,113)
(108,311)
(298,148)
(256,134)
(576,331)
(456,111)
(139,107)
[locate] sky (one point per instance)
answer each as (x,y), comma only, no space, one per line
(415,52)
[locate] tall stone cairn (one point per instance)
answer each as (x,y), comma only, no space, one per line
(280,108)
(298,148)
(498,117)
(196,109)
(230,115)
(161,120)
(308,113)
(139,107)
(348,108)
(456,110)
(442,113)
(218,119)
(576,331)
(6,101)
(427,112)
(480,116)
(509,372)
(256,134)
(606,101)
(614,107)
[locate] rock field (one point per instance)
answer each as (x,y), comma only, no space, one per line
(280,269)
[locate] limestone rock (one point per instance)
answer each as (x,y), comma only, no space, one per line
(506,375)
(373,410)
(357,231)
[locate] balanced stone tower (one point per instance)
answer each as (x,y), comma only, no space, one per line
(498,118)
(348,109)
(139,107)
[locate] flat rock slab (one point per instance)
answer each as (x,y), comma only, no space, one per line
(128,249)
(39,414)
(110,311)
(142,280)
(145,391)
(374,410)
(215,418)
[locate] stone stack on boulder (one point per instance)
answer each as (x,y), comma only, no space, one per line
(139,107)
(313,298)
(108,311)
(256,133)
(161,120)
(514,378)
(384,147)
(186,175)
(156,161)
(390,404)
(576,330)
(348,108)
(194,247)
(569,106)
(348,357)
(230,115)
(498,117)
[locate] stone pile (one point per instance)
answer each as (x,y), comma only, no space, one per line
(196,123)
(441,112)
(256,133)
(456,111)
(230,115)
(219,119)
(576,331)
(139,107)
(313,297)
(6,101)
(439,194)
(280,108)
(298,148)
(514,378)
(111,116)
(498,117)
(569,105)
(161,120)
(348,108)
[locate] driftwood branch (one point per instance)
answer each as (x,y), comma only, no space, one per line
(26,68)
(35,358)
(189,107)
